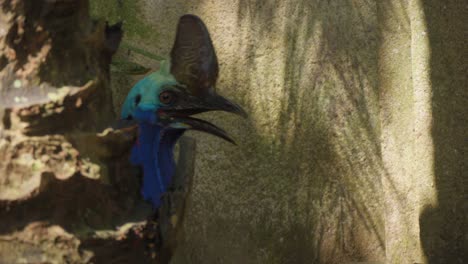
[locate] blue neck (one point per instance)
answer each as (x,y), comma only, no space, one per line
(154,152)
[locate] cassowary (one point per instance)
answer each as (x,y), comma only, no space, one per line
(163,102)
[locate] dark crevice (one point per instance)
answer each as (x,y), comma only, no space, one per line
(6,119)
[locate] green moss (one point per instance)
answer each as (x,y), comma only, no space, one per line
(127,11)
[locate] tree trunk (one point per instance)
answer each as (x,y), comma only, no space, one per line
(60,178)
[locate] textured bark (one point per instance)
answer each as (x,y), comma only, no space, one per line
(64,175)
(60,177)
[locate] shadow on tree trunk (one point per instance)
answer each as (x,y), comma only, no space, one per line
(443,228)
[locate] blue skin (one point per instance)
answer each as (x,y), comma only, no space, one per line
(154,149)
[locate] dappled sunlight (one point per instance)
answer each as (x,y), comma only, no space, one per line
(308,79)
(423,120)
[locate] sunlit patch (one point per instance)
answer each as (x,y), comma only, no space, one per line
(17,84)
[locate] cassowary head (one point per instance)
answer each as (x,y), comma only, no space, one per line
(162,103)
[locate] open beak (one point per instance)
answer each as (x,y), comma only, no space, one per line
(178,116)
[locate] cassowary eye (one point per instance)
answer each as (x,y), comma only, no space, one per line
(166,97)
(137,99)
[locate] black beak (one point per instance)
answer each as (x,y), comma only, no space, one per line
(177,116)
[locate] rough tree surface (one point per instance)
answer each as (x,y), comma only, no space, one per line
(63,180)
